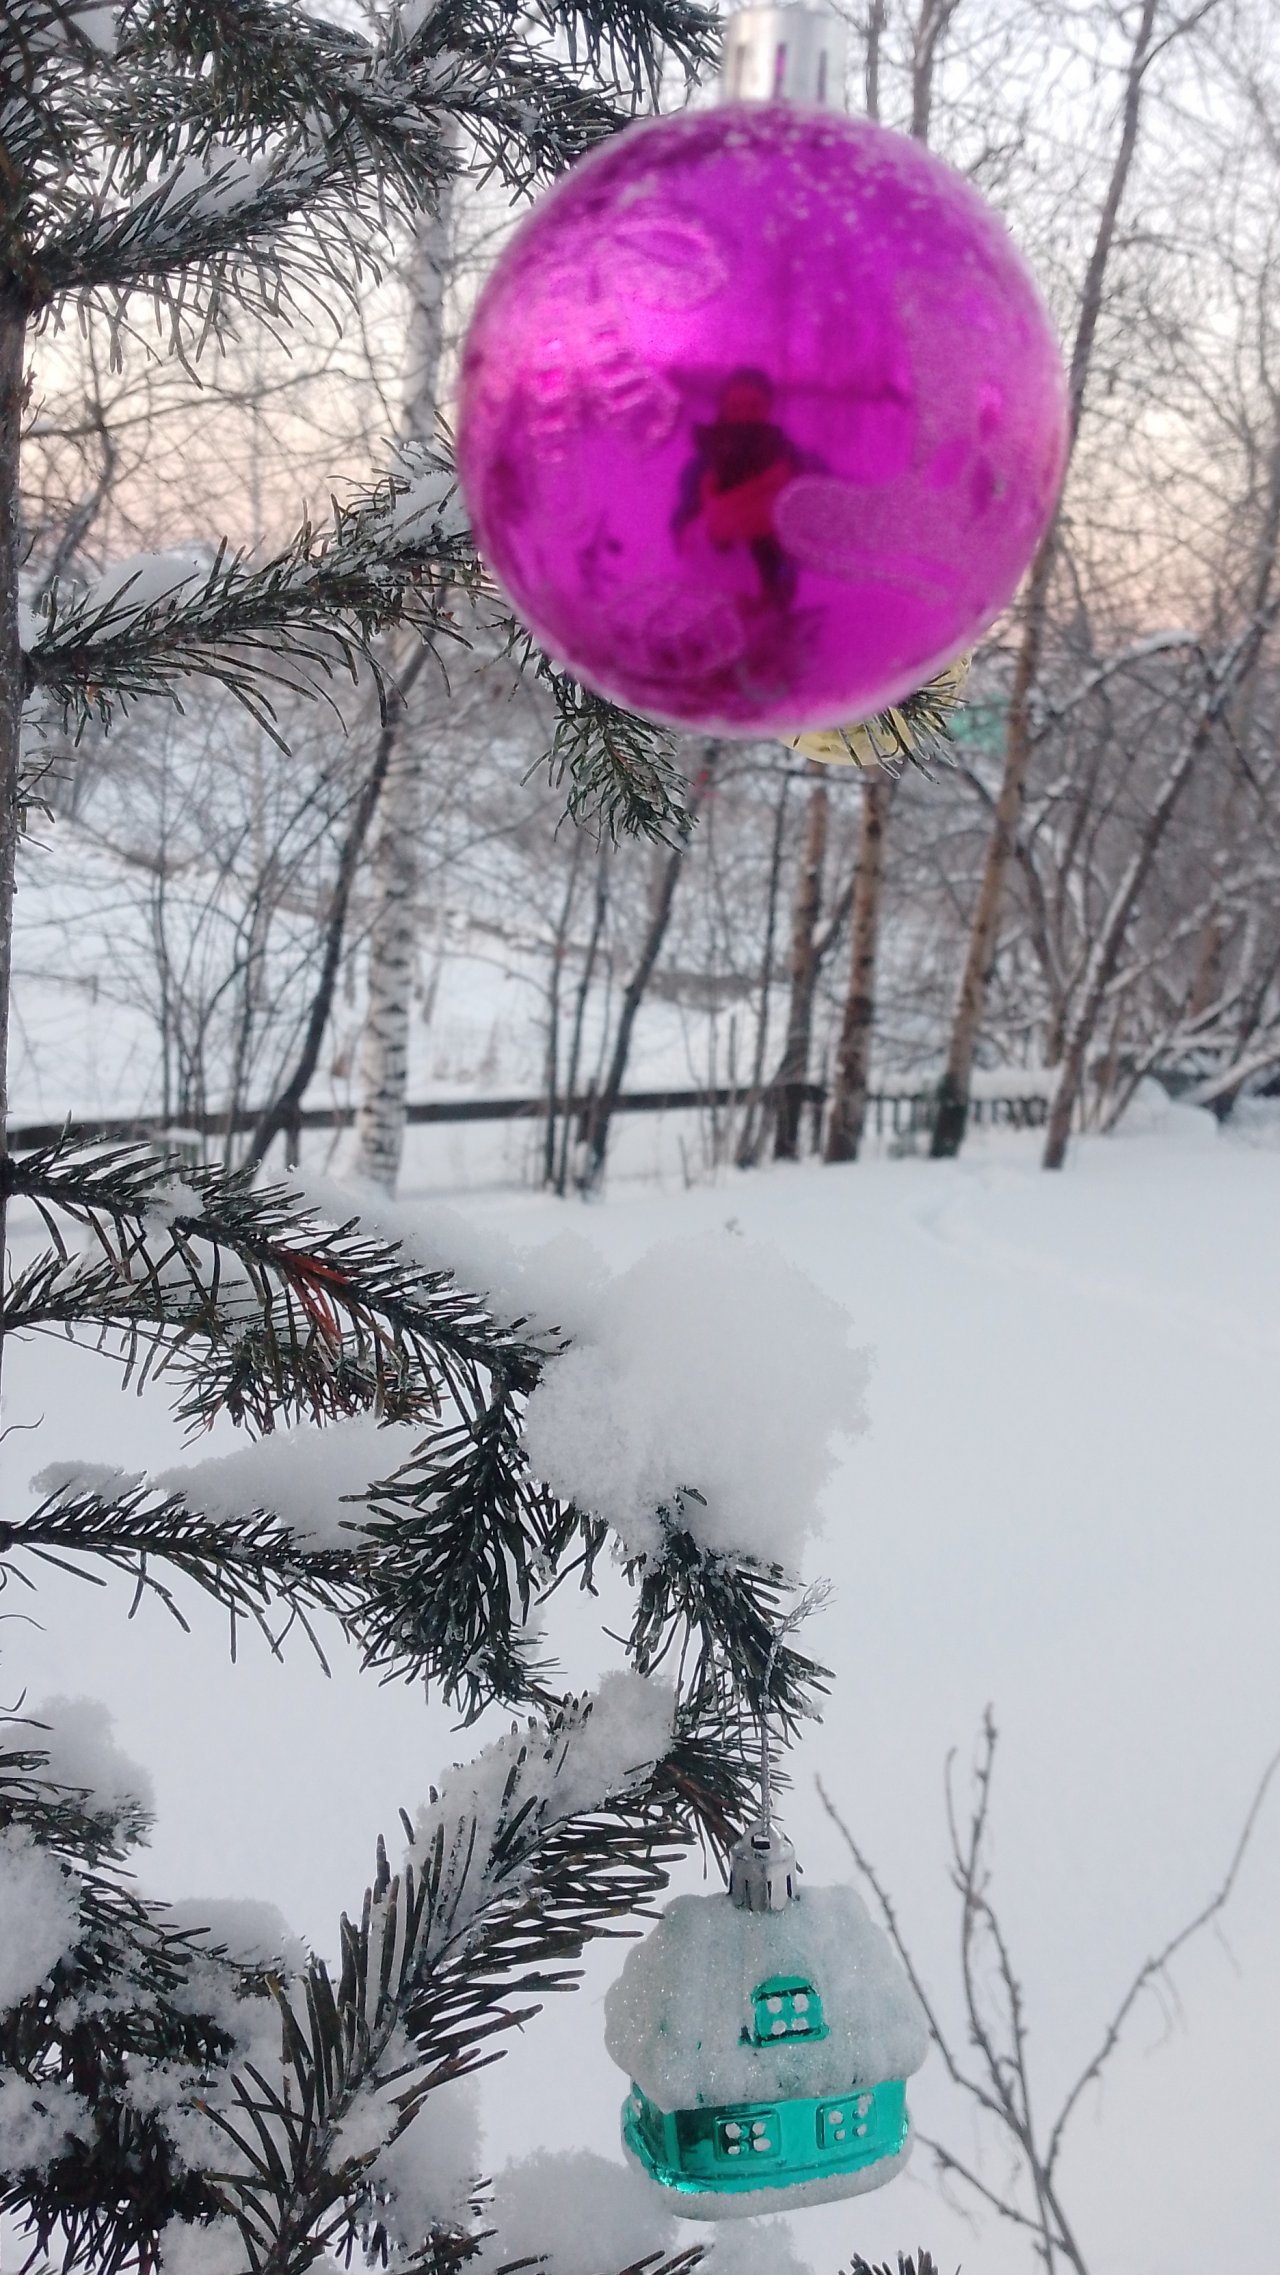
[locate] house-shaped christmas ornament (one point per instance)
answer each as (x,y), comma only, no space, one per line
(768,2035)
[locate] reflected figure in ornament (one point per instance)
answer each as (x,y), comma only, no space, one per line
(741,465)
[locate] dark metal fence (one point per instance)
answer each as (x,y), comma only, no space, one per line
(889,1112)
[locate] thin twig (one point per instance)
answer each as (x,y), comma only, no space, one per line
(1155,1966)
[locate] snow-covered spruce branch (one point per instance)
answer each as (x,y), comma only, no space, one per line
(399,554)
(266,1309)
(387,557)
(153,171)
(434,1572)
(553,1837)
(109,2001)
(733,1606)
(263,1310)
(151,2074)
(442,1595)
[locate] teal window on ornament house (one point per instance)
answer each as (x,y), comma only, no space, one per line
(748,2136)
(846,2122)
(785,2007)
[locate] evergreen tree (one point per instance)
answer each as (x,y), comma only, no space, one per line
(171,2096)
(158,2083)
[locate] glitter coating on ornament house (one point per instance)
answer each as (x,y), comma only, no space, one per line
(767,2053)
(761,418)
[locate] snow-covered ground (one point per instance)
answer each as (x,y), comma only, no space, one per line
(1064,1504)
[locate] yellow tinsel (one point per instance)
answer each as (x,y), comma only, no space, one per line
(892,735)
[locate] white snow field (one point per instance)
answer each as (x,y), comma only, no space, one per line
(1065,1503)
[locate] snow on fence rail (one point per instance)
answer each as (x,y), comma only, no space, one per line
(897,1113)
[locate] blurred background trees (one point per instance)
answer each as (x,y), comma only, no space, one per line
(1085,900)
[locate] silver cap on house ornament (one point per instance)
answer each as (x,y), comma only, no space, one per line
(762,1870)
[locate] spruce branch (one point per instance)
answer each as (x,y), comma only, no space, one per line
(540,1848)
(261,1309)
(492,1902)
(397,554)
(621,769)
(132,1995)
(918,2263)
(434,1582)
(264,1308)
(210,156)
(722,1619)
(625,42)
(387,557)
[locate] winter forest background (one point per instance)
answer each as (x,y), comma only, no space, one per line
(1060,1500)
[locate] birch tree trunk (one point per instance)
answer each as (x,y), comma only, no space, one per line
(12,343)
(383,1058)
(853,1055)
(952,1119)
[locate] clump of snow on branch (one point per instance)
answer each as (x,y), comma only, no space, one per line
(427,2178)
(188,2248)
(39,1916)
(179,2097)
(309,1479)
(75,1734)
(303,1476)
(607,1748)
(716,1365)
(252,1932)
(101,1478)
(424,493)
(560,1285)
(39,2122)
(130,587)
(627,1731)
(579,2213)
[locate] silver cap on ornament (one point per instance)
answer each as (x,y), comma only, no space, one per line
(762,1870)
(787,54)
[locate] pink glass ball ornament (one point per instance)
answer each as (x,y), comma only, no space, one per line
(761,419)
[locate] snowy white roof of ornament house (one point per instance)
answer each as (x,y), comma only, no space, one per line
(691,2020)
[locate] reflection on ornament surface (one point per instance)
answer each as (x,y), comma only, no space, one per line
(761,419)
